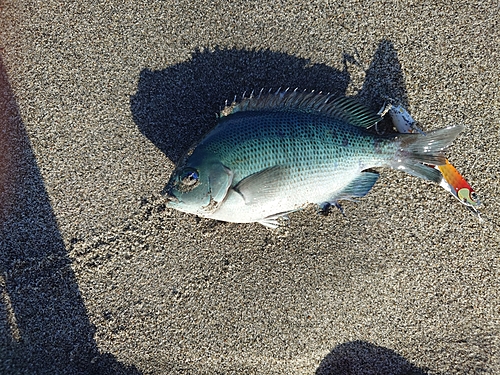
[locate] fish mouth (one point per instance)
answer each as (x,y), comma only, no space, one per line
(167,194)
(172,199)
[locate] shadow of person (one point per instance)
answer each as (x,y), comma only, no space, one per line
(176,106)
(44,327)
(363,358)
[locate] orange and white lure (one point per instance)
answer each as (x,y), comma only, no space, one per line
(452,180)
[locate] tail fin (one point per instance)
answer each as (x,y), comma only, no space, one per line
(416,149)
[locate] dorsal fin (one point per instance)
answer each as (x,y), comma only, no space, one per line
(343,108)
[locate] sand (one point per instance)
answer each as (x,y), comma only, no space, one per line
(99,100)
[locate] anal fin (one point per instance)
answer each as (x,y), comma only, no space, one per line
(359,187)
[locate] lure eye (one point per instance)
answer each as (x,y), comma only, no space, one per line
(467,196)
(189,177)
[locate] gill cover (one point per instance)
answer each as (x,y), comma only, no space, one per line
(220,179)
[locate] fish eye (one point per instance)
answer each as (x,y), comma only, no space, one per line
(189,176)
(473,195)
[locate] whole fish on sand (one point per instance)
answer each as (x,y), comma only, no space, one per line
(274,153)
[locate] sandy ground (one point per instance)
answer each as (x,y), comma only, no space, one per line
(97,102)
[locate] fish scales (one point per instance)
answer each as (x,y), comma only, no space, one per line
(273,154)
(312,147)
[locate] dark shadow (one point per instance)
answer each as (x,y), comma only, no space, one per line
(44,327)
(384,78)
(176,106)
(363,358)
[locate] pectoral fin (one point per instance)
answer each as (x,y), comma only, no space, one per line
(261,186)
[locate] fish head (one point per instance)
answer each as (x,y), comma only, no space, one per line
(199,186)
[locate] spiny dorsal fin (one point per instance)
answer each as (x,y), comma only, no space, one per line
(343,108)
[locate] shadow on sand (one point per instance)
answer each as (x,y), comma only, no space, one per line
(363,358)
(44,327)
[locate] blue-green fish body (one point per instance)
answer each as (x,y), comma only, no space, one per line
(274,154)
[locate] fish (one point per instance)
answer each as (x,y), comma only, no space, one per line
(274,153)
(452,181)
